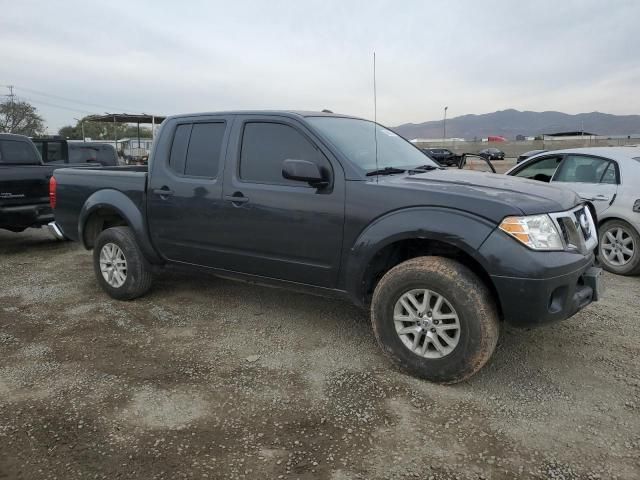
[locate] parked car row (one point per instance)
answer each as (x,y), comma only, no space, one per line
(313,201)
(448,158)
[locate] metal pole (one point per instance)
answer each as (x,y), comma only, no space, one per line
(81,121)
(138,135)
(444,127)
(115,134)
(12,110)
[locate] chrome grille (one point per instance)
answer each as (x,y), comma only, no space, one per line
(577,228)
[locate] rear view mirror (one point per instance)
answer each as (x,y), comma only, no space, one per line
(304,171)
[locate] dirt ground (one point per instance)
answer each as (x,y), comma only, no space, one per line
(206,378)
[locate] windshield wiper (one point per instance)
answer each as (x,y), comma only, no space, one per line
(385,171)
(426,168)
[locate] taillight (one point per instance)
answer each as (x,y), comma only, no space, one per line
(52,192)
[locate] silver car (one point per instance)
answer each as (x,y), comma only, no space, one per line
(609,179)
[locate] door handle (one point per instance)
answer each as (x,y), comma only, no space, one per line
(163,192)
(237,198)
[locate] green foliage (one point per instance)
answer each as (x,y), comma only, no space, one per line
(102,131)
(21,118)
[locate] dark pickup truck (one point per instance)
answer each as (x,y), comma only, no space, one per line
(341,206)
(60,151)
(24,185)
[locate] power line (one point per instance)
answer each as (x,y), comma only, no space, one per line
(69,100)
(42,102)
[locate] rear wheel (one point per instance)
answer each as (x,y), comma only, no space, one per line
(435,319)
(120,267)
(619,248)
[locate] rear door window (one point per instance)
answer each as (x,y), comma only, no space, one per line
(17,153)
(585,169)
(179,147)
(205,149)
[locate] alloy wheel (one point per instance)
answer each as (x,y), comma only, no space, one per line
(617,246)
(426,323)
(113,265)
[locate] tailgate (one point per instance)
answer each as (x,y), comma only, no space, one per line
(22,185)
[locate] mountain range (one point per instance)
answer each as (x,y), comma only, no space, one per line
(509,123)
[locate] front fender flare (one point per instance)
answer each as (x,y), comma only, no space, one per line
(128,210)
(446,225)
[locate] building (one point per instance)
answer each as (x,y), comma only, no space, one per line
(577,135)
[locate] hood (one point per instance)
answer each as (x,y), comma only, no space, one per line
(522,196)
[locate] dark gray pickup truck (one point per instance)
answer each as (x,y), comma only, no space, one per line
(24,185)
(340,206)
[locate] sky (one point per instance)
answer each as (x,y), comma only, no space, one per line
(72,58)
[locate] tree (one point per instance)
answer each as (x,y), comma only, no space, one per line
(20,117)
(102,131)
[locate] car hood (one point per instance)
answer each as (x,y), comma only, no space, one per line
(481,190)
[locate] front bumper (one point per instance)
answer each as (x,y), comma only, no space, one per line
(530,302)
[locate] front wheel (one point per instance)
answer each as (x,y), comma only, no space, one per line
(435,318)
(120,267)
(619,248)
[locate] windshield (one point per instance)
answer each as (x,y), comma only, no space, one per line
(356,140)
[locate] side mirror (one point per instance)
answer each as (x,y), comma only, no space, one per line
(304,171)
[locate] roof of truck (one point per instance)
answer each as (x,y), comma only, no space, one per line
(286,113)
(13,136)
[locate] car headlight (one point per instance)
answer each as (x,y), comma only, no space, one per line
(536,231)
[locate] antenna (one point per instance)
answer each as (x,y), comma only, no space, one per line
(375,113)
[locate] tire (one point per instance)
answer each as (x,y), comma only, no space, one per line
(623,237)
(469,299)
(137,271)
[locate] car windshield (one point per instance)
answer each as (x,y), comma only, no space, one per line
(356,140)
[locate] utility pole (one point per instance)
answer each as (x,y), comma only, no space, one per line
(11,108)
(81,126)
(444,124)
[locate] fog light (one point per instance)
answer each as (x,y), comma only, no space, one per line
(636,206)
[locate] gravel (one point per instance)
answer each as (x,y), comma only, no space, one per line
(207,378)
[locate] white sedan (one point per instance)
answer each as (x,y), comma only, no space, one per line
(609,179)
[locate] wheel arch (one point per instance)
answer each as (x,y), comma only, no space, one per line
(432,232)
(110,208)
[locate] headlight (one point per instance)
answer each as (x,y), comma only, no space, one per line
(537,232)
